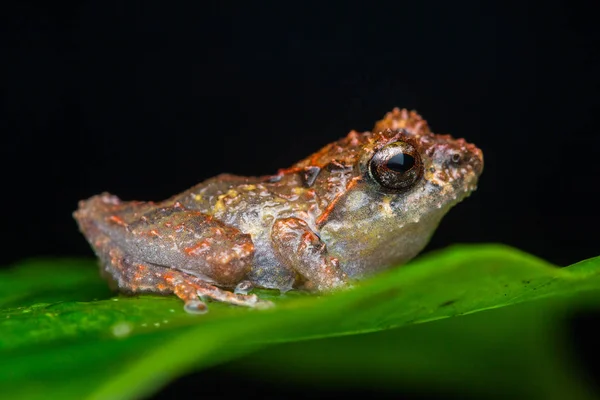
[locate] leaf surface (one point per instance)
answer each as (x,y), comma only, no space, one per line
(63,332)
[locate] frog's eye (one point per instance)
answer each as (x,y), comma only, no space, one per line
(396,166)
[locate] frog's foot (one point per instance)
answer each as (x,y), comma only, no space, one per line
(189,289)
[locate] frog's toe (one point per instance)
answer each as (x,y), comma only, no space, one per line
(195,291)
(195,307)
(250,300)
(243,287)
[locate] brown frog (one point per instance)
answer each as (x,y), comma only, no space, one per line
(364,203)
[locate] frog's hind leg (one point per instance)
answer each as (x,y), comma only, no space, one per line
(133,276)
(169,235)
(145,248)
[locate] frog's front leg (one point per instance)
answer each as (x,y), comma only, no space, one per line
(298,247)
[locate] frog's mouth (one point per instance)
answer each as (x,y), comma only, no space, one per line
(462,189)
(443,196)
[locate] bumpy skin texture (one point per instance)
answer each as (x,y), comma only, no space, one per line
(325,221)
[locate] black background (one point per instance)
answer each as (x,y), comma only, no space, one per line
(145,99)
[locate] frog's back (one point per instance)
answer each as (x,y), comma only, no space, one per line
(206,196)
(250,202)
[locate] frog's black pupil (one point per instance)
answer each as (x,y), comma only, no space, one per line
(401,162)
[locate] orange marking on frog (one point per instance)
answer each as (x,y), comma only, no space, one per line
(117,220)
(140,272)
(197,249)
(179,228)
(286,171)
(167,276)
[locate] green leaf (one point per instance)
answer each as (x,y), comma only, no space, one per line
(514,352)
(62,335)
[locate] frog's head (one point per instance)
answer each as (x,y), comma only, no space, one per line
(419,173)
(407,178)
(434,171)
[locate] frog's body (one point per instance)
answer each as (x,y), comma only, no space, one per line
(343,213)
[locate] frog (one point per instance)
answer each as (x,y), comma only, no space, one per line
(360,205)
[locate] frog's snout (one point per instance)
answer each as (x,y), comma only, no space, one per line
(476,160)
(458,155)
(456,162)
